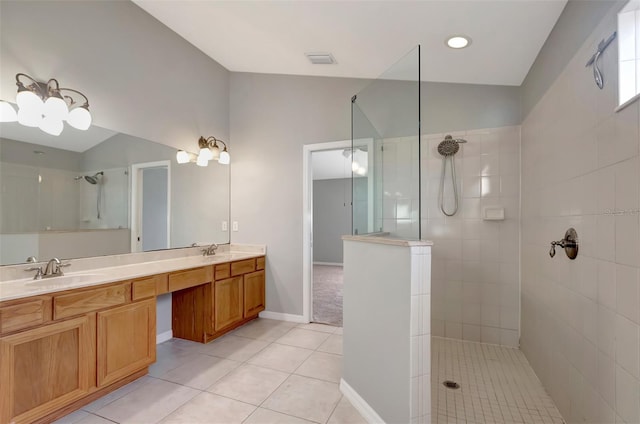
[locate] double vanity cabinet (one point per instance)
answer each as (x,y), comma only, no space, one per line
(61,350)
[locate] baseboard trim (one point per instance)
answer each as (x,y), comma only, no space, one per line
(367,412)
(329,263)
(283,317)
(163,337)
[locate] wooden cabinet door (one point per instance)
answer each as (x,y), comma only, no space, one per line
(44,369)
(228,307)
(126,340)
(253,293)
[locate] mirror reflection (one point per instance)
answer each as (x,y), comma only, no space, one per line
(100,192)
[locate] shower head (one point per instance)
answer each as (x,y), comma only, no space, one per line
(450,146)
(91,179)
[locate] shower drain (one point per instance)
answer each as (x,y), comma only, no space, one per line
(451,384)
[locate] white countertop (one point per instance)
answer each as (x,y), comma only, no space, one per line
(25,287)
(383,239)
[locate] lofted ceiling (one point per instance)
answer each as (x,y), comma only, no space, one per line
(366,37)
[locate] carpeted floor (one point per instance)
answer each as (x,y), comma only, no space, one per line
(327,294)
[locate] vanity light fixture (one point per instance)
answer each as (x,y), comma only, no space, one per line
(208,150)
(46,105)
(458,41)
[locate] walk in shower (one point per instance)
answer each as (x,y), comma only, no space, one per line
(434,176)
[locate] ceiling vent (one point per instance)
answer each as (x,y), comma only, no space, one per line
(321,58)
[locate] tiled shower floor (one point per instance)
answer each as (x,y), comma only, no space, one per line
(497,385)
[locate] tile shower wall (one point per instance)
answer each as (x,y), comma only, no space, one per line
(475,270)
(580,168)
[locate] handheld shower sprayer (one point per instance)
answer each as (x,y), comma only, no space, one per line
(448,148)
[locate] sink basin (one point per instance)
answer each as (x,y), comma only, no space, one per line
(64,280)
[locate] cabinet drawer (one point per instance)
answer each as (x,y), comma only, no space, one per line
(27,314)
(223,271)
(242,267)
(71,304)
(189,278)
(147,287)
(260,263)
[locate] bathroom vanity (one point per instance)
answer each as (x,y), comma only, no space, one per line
(65,343)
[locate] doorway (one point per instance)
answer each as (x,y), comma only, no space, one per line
(327,217)
(150,206)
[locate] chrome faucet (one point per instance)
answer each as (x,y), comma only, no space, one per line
(211,250)
(53,269)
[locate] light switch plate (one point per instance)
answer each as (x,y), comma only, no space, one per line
(235,225)
(225,226)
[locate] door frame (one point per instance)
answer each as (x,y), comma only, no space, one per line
(136,193)
(307,220)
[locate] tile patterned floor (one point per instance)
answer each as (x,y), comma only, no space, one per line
(264,372)
(270,372)
(497,385)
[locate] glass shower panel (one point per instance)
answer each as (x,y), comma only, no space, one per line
(386,136)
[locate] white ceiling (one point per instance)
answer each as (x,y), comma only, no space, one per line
(366,37)
(70,139)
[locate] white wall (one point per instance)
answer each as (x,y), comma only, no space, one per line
(475,281)
(331,218)
(581,169)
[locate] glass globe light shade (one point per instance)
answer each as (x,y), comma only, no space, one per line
(215,152)
(79,118)
(51,125)
(355,166)
(29,117)
(202,160)
(28,99)
(206,153)
(55,108)
(225,158)
(182,156)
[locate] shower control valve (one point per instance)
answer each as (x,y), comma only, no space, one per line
(569,243)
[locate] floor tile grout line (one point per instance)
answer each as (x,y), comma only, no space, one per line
(190,350)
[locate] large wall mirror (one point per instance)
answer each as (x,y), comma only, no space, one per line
(100,192)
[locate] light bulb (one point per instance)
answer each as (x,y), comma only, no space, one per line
(355,166)
(55,108)
(224,158)
(29,117)
(182,156)
(7,112)
(51,125)
(27,99)
(361,171)
(458,41)
(205,152)
(202,161)
(79,118)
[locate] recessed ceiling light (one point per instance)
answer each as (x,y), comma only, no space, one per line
(321,58)
(458,41)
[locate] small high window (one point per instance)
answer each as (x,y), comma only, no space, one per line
(629,52)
